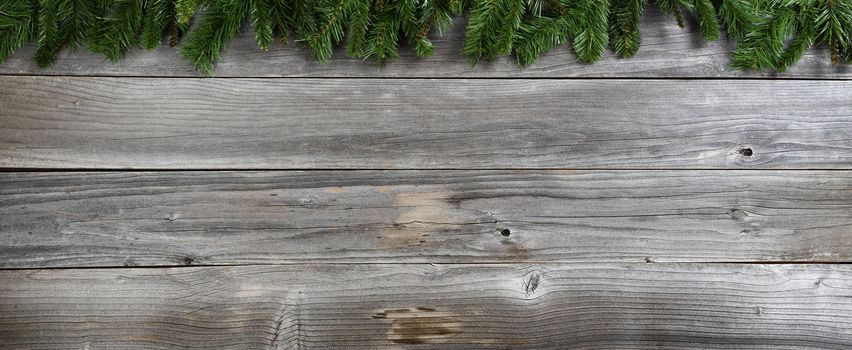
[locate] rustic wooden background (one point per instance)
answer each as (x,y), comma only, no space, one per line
(664,201)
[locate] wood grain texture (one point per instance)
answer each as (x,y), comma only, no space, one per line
(156,123)
(598,306)
(667,51)
(190,218)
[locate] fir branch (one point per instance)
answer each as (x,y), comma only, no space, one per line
(406,14)
(490,28)
(763,47)
(771,34)
(304,19)
(282,19)
(154,23)
(423,47)
(435,13)
(624,26)
(538,36)
(805,38)
(480,20)
(331,14)
(738,17)
(707,20)
(383,37)
(834,50)
(591,37)
(260,12)
(514,13)
(672,7)
(681,22)
(50,39)
(357,44)
(178,24)
(834,26)
(185,10)
(219,24)
(83,14)
(17,25)
(64,23)
(117,32)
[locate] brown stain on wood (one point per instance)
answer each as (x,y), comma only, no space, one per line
(424,207)
(420,325)
(517,252)
(335,189)
(421,214)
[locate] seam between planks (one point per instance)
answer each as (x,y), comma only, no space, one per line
(530,169)
(478,263)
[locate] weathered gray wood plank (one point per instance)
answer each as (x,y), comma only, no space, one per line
(186,218)
(667,51)
(157,123)
(639,306)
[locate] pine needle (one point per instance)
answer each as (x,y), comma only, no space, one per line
(491,27)
(434,14)
(738,17)
(116,33)
(624,26)
(763,47)
(707,20)
(154,23)
(673,7)
(260,12)
(17,25)
(357,44)
(592,38)
(282,19)
(834,26)
(331,16)
(804,40)
(538,36)
(383,37)
(219,25)
(65,24)
(185,10)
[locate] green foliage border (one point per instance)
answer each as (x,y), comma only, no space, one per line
(769,34)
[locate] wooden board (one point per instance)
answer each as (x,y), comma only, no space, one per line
(667,51)
(191,218)
(156,123)
(599,306)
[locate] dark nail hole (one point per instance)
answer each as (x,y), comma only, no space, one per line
(505,232)
(746,152)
